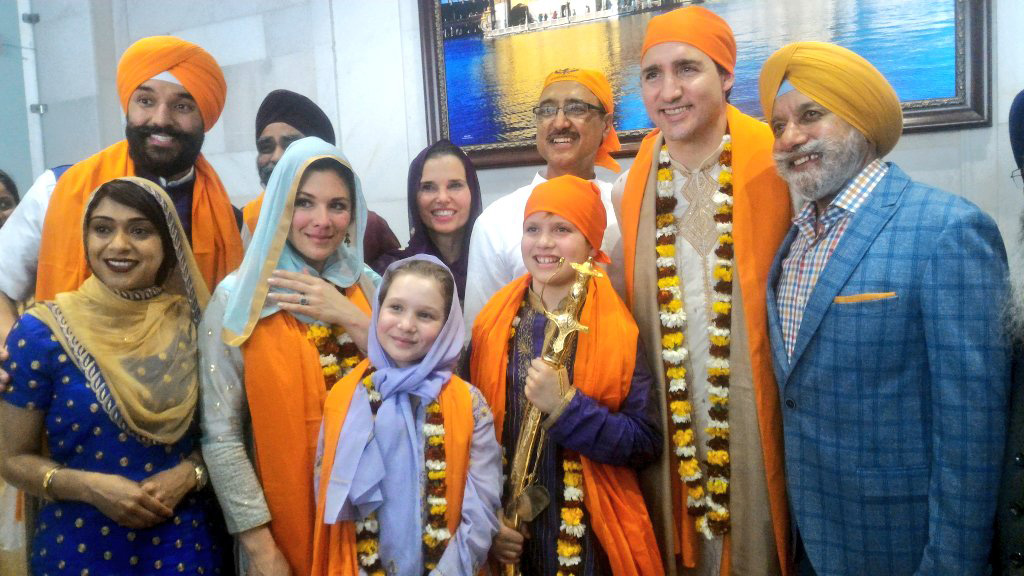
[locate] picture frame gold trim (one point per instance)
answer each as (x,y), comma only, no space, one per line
(970,107)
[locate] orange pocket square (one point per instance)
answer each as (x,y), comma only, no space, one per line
(866,297)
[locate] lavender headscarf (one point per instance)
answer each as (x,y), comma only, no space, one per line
(419,240)
(361,481)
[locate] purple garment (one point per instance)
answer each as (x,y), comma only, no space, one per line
(419,240)
(379,242)
(629,437)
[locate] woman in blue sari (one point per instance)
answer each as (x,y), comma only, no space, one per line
(109,373)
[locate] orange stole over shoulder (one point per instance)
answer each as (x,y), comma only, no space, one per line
(603,370)
(251,212)
(285,388)
(762,215)
(334,545)
(216,242)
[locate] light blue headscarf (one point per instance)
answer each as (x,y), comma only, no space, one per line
(269,249)
(361,481)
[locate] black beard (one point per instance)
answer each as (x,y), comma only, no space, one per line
(265,171)
(160,164)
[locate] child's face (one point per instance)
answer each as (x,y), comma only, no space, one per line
(411,316)
(546,237)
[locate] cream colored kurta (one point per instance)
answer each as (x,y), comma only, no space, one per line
(752,541)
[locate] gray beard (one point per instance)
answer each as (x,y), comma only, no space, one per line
(841,159)
(1014,310)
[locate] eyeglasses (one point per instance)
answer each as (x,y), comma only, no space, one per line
(1018,180)
(574,109)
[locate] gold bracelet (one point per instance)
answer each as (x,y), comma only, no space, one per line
(48,481)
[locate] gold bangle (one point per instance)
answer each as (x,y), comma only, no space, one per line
(48,481)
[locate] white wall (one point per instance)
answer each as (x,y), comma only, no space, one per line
(15,158)
(360,60)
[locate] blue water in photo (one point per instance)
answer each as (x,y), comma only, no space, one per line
(493,84)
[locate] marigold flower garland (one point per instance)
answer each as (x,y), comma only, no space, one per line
(332,343)
(708,502)
(435,530)
(572,528)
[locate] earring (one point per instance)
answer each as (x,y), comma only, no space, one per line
(348,239)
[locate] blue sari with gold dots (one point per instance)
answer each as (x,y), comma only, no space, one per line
(74,537)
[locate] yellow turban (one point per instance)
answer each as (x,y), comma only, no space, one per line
(597,83)
(841,81)
(197,71)
(698,27)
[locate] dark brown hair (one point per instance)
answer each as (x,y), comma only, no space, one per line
(343,172)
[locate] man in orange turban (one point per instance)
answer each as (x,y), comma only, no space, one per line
(574,134)
(172,91)
(885,307)
(702,212)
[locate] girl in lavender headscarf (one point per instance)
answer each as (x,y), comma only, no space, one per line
(411,471)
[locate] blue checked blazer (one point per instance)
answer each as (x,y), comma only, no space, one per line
(894,402)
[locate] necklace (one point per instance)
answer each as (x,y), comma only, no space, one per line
(706,500)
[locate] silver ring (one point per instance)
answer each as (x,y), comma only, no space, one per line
(303,301)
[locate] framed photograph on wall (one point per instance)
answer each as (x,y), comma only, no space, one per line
(485,60)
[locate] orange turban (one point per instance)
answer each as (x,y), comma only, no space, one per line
(197,71)
(578,201)
(841,81)
(596,82)
(698,27)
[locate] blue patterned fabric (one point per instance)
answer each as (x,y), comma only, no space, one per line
(894,406)
(74,537)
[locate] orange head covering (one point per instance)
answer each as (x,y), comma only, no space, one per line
(596,82)
(841,81)
(197,71)
(698,27)
(578,201)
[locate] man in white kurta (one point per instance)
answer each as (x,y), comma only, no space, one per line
(574,133)
(686,75)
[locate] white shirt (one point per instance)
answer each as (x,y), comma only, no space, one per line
(20,237)
(495,258)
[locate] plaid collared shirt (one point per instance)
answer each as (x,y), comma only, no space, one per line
(815,241)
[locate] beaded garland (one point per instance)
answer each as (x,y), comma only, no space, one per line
(435,530)
(707,501)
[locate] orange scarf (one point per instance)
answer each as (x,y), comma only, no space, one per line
(216,243)
(334,545)
(761,217)
(251,212)
(286,392)
(603,370)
